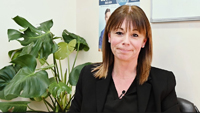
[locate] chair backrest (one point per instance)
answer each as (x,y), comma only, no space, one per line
(187,106)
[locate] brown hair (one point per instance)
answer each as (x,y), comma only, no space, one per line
(136,17)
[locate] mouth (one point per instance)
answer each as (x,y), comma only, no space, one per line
(124,50)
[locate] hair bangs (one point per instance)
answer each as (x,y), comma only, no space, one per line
(116,23)
(136,22)
(132,21)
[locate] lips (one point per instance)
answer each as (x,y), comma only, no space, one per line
(124,50)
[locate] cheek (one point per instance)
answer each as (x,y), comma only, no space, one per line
(137,44)
(114,42)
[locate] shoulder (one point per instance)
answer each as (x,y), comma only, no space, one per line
(156,70)
(89,68)
(87,72)
(160,73)
(162,77)
(87,79)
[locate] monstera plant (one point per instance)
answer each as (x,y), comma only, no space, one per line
(27,76)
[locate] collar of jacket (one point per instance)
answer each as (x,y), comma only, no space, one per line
(102,86)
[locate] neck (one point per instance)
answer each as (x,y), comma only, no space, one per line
(125,69)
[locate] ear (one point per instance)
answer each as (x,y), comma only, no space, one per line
(108,36)
(144,42)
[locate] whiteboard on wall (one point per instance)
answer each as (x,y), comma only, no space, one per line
(175,10)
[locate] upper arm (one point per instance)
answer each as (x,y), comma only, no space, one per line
(77,101)
(169,102)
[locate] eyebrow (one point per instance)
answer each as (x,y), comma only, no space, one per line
(135,29)
(121,29)
(124,30)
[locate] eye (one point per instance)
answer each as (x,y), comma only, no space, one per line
(119,33)
(135,35)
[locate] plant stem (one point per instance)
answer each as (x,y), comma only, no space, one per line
(61,70)
(76,55)
(56,69)
(53,70)
(52,101)
(62,98)
(65,99)
(68,103)
(48,65)
(65,77)
(45,68)
(59,104)
(48,104)
(70,96)
(30,108)
(74,61)
(54,62)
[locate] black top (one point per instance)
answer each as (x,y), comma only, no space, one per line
(157,94)
(128,103)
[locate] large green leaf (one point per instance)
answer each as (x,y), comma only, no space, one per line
(27,50)
(74,75)
(29,37)
(6,74)
(45,95)
(55,47)
(41,37)
(67,36)
(26,61)
(27,84)
(42,61)
(57,88)
(15,106)
(25,24)
(2,95)
(64,49)
(14,34)
(52,80)
(42,44)
(14,53)
(46,26)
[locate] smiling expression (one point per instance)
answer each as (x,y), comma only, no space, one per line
(126,43)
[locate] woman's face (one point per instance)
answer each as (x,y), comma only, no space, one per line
(126,43)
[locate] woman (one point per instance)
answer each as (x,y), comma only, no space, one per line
(125,80)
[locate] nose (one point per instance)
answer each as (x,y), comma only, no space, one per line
(126,40)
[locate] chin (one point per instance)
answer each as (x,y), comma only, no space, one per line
(124,58)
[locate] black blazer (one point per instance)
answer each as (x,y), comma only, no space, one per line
(155,95)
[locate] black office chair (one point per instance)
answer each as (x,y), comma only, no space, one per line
(187,106)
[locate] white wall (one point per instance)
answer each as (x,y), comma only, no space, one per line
(87,26)
(175,46)
(63,13)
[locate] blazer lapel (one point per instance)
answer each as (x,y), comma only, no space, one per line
(102,87)
(143,93)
